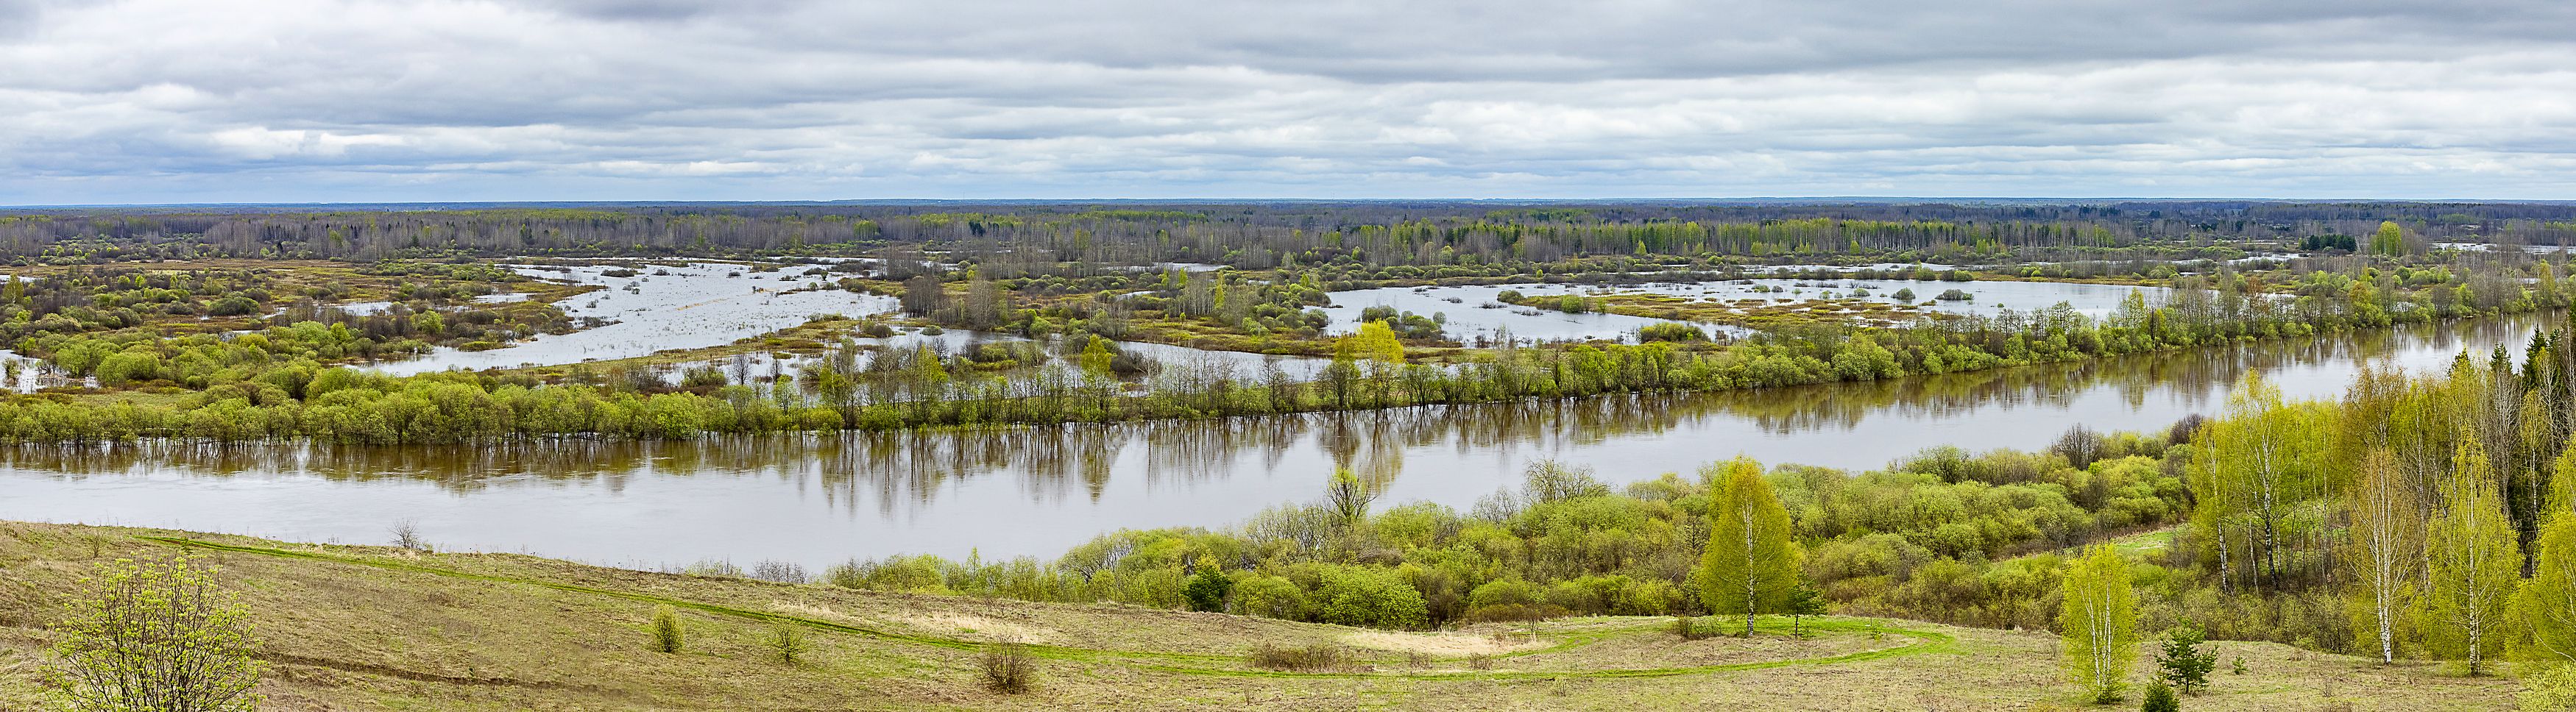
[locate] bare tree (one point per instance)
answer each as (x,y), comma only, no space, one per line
(406,533)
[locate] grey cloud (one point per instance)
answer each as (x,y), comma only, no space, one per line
(790,98)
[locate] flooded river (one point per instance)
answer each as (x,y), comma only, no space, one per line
(820,499)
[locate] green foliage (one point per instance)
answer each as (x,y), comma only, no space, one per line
(2551,689)
(1803,601)
(667,634)
(1270,597)
(1367,596)
(1671,331)
(1750,565)
(1566,543)
(1207,589)
(2182,662)
(157,634)
(2098,624)
(2547,601)
(2160,698)
(2475,563)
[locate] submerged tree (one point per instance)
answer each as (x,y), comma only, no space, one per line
(2099,623)
(158,635)
(1750,566)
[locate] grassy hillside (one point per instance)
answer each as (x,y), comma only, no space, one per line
(378,628)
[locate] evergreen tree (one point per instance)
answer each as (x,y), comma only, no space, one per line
(1206,589)
(2160,698)
(2185,665)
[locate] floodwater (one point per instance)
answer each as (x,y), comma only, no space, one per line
(685,307)
(1475,316)
(820,499)
(1472,313)
(711,304)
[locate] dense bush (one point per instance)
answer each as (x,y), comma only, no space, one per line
(1942,536)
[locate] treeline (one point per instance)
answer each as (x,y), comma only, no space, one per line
(1016,237)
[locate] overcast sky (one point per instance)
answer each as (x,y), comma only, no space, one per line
(313,100)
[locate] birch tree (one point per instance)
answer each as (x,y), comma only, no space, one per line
(2262,467)
(1750,566)
(2387,546)
(2099,624)
(2474,562)
(2547,602)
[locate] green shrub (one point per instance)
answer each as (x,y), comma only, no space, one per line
(1671,331)
(666,631)
(1270,597)
(1206,590)
(157,634)
(2160,698)
(1370,597)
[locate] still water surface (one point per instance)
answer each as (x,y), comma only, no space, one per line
(819,499)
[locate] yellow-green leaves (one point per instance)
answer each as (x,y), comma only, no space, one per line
(2547,602)
(2475,562)
(2099,623)
(158,635)
(1750,566)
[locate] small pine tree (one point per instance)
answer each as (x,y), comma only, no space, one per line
(2160,698)
(666,631)
(2186,665)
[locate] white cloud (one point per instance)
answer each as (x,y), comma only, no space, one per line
(302,100)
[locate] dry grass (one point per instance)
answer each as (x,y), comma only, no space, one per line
(1447,645)
(346,636)
(1311,657)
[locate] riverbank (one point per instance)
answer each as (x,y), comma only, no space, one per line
(370,627)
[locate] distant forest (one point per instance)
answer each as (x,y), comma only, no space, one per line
(1259,235)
